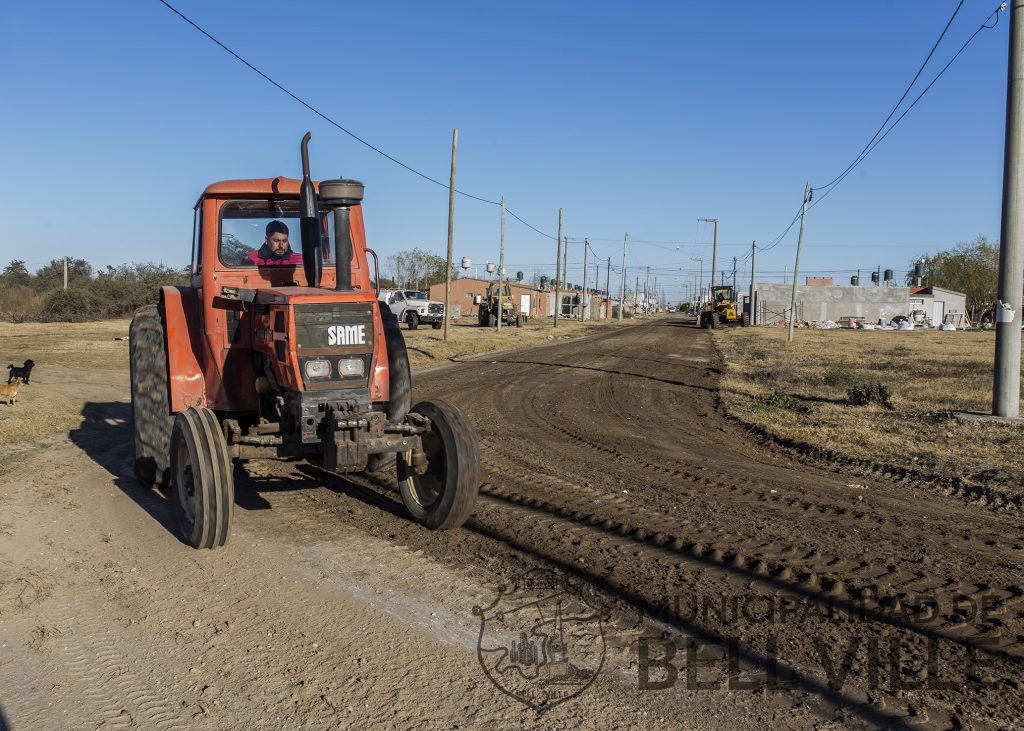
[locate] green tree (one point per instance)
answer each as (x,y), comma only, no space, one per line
(15,273)
(971,268)
(417,268)
(51,276)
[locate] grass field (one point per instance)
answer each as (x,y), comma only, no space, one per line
(77,361)
(887,396)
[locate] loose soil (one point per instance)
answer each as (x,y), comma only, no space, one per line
(802,596)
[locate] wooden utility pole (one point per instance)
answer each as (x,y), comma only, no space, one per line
(558,271)
(451,229)
(734,276)
(796,264)
(501,265)
(622,290)
(583,300)
(65,272)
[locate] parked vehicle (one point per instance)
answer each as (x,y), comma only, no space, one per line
(413,308)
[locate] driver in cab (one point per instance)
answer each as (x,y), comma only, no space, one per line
(276,251)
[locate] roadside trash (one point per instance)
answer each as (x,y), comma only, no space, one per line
(947,326)
(866,326)
(826,325)
(906,325)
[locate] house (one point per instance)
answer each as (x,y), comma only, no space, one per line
(935,303)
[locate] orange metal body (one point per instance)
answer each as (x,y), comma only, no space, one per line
(209,363)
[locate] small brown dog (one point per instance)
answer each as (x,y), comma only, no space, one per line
(9,391)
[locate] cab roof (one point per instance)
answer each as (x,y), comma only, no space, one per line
(254,186)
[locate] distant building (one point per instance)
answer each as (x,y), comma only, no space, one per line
(819,281)
(537,302)
(935,303)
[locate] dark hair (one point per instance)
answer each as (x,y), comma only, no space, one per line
(277,227)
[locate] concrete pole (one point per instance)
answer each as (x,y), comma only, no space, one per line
(451,228)
(647,299)
(753,271)
(796,264)
(65,272)
(558,271)
(565,264)
(1006,383)
(583,301)
(501,264)
(622,288)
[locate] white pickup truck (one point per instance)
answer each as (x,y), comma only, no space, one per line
(412,307)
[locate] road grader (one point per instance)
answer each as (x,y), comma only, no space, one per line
(274,353)
(723,309)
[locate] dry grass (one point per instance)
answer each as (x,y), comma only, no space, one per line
(806,391)
(52,403)
(89,345)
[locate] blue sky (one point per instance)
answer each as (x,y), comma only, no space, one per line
(632,117)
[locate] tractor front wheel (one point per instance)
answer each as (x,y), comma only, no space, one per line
(151,411)
(444,494)
(201,475)
(713,320)
(745,320)
(492,320)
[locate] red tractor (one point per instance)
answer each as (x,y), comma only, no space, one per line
(276,353)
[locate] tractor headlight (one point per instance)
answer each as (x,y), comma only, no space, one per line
(318,369)
(350,367)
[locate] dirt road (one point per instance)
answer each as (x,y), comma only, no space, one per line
(704,580)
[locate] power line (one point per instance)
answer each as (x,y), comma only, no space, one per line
(338,125)
(906,91)
(871,146)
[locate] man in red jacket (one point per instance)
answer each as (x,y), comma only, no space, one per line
(276,250)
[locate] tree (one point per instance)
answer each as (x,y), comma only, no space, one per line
(971,268)
(417,268)
(51,276)
(15,273)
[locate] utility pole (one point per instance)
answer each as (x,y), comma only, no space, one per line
(1006,382)
(451,223)
(583,295)
(714,248)
(647,299)
(558,271)
(796,264)
(622,289)
(65,272)
(608,285)
(501,265)
(636,293)
(700,288)
(753,271)
(734,275)
(565,266)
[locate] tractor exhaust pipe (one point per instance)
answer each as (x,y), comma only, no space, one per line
(312,257)
(341,195)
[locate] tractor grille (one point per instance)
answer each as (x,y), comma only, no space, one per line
(326,331)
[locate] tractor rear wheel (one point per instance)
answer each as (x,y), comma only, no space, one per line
(201,474)
(399,383)
(152,420)
(443,496)
(413,320)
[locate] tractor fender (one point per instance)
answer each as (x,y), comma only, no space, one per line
(184,347)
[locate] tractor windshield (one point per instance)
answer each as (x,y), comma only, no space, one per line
(266,233)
